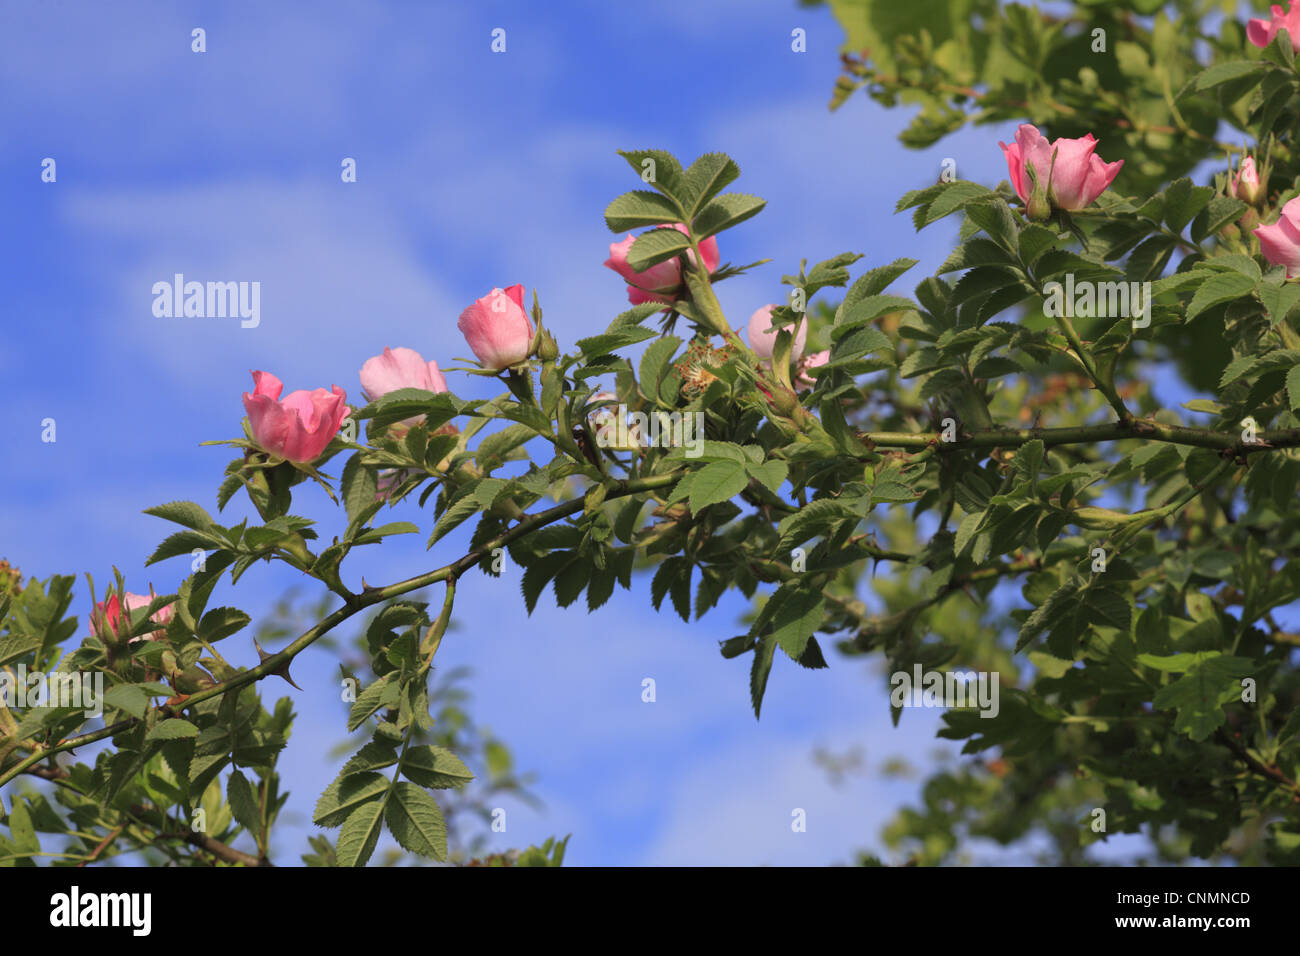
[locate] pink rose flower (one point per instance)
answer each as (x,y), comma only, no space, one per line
(1078,177)
(400,368)
(1245,182)
(1261,32)
(658,283)
(110,619)
(498,329)
(816,360)
(299,426)
(763,342)
(1280,242)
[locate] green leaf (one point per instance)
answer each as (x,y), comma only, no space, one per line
(981,281)
(369,701)
(662,171)
(1223,287)
(1183,202)
(539,573)
(220,623)
(1034,241)
(655,365)
(1150,258)
(185,513)
(1293,387)
(459,510)
(978,252)
(866,309)
(652,248)
(1278,300)
(945,200)
(605,343)
(373,756)
(128,697)
(1223,72)
(1210,680)
(360,833)
(243,806)
(374,535)
(403,403)
(966,531)
(21,828)
(184,542)
(1220,211)
(996,219)
(770,474)
(729,209)
(416,822)
(716,482)
(638,210)
(1203,405)
(359,487)
(342,797)
(1070,611)
(831,272)
(872,283)
(494,449)
(173,728)
(759,671)
(796,619)
(1028,460)
(435,768)
(706,177)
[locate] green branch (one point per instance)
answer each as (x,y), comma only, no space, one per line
(359,602)
(1137,428)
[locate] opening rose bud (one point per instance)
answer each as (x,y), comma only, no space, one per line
(1262,32)
(298,427)
(1280,241)
(763,341)
(1068,169)
(659,283)
(109,621)
(498,329)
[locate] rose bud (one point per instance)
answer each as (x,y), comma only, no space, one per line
(763,341)
(1261,32)
(498,329)
(661,282)
(298,427)
(1066,172)
(1280,241)
(1246,185)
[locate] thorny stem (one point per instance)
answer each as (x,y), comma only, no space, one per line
(358,602)
(1085,434)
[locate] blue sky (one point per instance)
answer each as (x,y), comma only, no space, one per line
(474,170)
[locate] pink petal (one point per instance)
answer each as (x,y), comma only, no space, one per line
(1015,169)
(1071,170)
